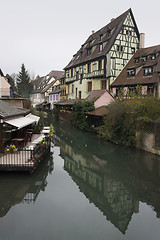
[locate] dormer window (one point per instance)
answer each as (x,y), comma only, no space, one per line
(89,51)
(136,60)
(131,72)
(148,71)
(90,43)
(144,59)
(153,56)
(100,47)
(101,36)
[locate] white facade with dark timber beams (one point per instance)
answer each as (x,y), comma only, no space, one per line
(102,57)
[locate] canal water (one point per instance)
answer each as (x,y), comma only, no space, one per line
(84,189)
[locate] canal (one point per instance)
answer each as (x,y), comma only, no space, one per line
(84,189)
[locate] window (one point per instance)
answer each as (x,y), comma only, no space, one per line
(90,43)
(128,32)
(119,48)
(100,47)
(150,90)
(136,60)
(103,84)
(148,71)
(89,68)
(89,86)
(72,88)
(89,51)
(100,65)
(72,72)
(131,72)
(153,57)
(100,37)
(133,50)
(79,94)
(77,76)
(81,78)
(144,59)
(76,92)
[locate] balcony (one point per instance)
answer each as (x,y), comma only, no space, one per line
(27,156)
(94,74)
(70,79)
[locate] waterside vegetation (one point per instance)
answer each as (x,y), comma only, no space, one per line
(124,117)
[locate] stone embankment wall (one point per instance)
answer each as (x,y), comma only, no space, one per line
(149,142)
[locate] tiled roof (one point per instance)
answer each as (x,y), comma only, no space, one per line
(101,111)
(41,84)
(139,78)
(7,110)
(56,74)
(56,91)
(68,102)
(95,94)
(109,33)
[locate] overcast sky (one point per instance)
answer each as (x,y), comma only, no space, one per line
(44,34)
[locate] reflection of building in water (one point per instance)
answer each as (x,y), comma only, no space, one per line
(100,186)
(17,188)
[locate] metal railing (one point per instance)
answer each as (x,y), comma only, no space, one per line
(23,159)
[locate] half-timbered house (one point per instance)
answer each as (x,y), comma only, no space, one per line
(102,57)
(143,69)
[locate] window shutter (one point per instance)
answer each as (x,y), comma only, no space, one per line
(91,66)
(86,68)
(97,65)
(102,63)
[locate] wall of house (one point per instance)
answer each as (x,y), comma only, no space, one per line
(4,87)
(37,98)
(123,49)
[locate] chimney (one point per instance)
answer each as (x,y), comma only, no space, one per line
(141,40)
(92,31)
(112,19)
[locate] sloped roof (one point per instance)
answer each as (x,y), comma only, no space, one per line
(95,94)
(1,73)
(56,74)
(109,32)
(42,84)
(7,110)
(68,102)
(124,80)
(101,111)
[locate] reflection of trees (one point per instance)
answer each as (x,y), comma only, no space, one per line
(22,187)
(115,179)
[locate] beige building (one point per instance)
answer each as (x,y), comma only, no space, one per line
(4,86)
(102,57)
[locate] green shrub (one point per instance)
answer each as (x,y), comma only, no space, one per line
(78,115)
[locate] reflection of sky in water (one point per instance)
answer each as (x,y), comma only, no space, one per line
(62,211)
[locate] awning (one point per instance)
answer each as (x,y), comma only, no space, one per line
(21,122)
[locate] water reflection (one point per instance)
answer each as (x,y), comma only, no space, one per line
(115,179)
(18,188)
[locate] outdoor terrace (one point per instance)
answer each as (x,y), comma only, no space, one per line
(27,155)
